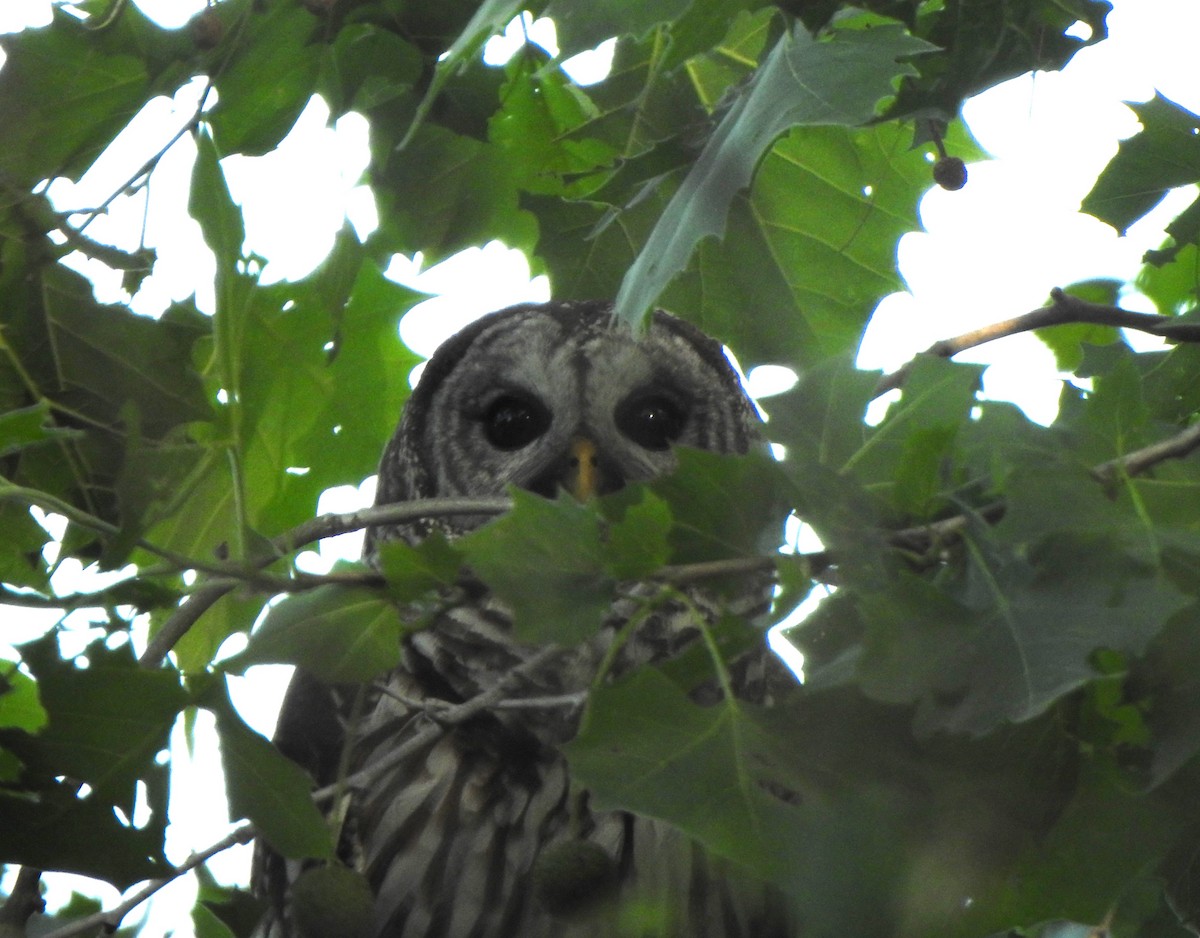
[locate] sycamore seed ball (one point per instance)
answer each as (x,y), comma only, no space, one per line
(206,29)
(573,876)
(950,173)
(331,902)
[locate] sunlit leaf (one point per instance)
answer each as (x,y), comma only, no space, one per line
(339,634)
(545,561)
(1165,154)
(792,87)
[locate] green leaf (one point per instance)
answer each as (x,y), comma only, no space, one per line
(638,543)
(1083,870)
(58,831)
(264,786)
(1011,636)
(21,560)
(986,43)
(62,100)
(1165,154)
(1066,341)
(536,127)
(20,706)
(210,203)
(544,560)
(1172,287)
(368,66)
(109,358)
(643,740)
(815,242)
(229,615)
(584,25)
(919,430)
(267,82)
(469,199)
(414,570)
(801,82)
(822,416)
(19,428)
(339,634)
(489,18)
(724,506)
(108,721)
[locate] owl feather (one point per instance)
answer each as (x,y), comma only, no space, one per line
(458,823)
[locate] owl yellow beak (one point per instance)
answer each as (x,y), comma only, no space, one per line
(582,479)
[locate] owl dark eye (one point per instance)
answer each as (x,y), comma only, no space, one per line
(511,422)
(652,422)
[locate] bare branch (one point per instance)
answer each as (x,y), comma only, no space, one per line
(439,723)
(111,920)
(1063,309)
(323,526)
(1138,461)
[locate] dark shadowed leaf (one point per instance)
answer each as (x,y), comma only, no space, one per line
(60,832)
(108,720)
(268,79)
(413,570)
(263,785)
(62,100)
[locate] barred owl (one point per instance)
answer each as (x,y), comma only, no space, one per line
(542,397)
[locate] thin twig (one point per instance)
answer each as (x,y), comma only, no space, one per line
(329,525)
(110,920)
(1063,309)
(440,722)
(1138,461)
(150,164)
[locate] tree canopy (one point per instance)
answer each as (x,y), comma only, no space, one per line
(999,725)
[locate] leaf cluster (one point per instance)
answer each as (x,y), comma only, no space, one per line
(999,725)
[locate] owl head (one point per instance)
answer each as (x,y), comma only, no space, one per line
(560,396)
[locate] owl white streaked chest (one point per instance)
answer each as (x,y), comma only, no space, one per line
(541,397)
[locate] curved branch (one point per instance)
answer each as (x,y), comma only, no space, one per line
(1063,309)
(439,722)
(328,525)
(1135,463)
(110,921)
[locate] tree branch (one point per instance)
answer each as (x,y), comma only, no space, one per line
(1135,463)
(24,900)
(438,724)
(111,920)
(328,525)
(1063,309)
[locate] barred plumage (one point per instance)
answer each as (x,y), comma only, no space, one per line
(448,834)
